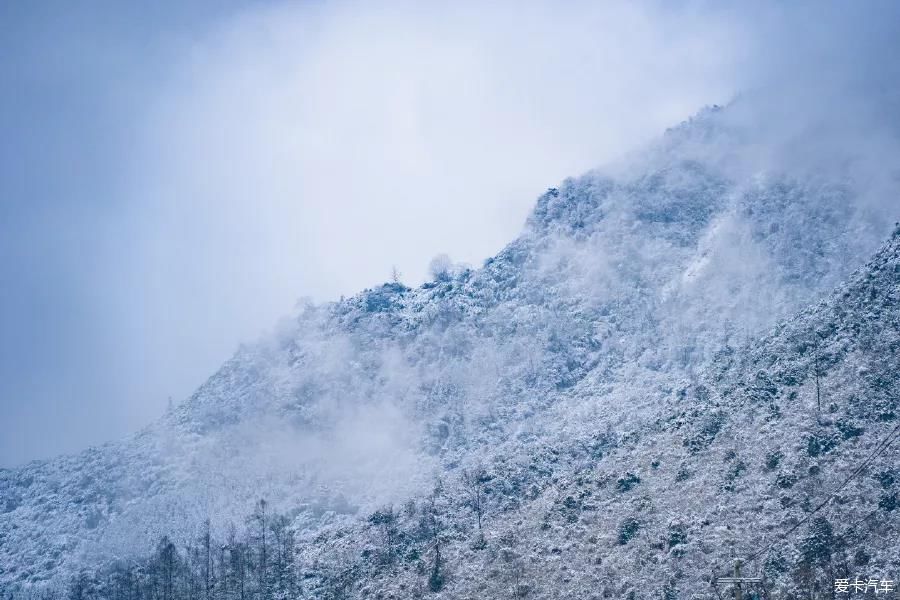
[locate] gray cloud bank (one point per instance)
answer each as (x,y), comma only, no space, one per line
(278,151)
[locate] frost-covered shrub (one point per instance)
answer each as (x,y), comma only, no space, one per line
(886,478)
(818,546)
(848,429)
(773,459)
(441,268)
(627,482)
(785,480)
(627,530)
(710,427)
(820,443)
(677,534)
(683,473)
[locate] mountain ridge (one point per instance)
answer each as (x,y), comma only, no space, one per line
(620,286)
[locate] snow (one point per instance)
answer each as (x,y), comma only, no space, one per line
(654,324)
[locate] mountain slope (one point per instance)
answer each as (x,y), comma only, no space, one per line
(624,283)
(738,464)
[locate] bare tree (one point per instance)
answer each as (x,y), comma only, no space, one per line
(511,555)
(474,479)
(259,520)
(164,568)
(207,560)
(818,388)
(222,568)
(386,520)
(283,582)
(434,527)
(237,558)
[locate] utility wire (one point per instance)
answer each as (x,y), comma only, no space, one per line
(881,447)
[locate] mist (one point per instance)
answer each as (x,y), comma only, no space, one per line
(217,171)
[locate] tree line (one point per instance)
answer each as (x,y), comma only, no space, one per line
(257,564)
(261,561)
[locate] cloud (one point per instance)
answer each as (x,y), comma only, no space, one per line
(288,150)
(306,150)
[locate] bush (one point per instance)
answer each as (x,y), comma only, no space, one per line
(849,430)
(819,444)
(707,433)
(628,529)
(886,478)
(436,581)
(817,546)
(441,268)
(677,534)
(785,480)
(627,481)
(773,459)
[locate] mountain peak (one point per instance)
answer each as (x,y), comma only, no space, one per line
(626,282)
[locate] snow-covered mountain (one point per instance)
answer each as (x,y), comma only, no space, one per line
(612,374)
(782,454)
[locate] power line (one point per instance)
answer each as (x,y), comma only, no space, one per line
(889,439)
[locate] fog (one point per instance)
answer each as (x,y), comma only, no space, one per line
(202,172)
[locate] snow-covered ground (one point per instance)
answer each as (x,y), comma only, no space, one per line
(613,372)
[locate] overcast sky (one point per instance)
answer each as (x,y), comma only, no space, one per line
(174,178)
